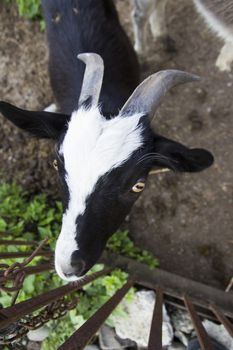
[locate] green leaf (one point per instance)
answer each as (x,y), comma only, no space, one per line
(28,285)
(3,224)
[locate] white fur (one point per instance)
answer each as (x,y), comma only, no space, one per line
(225,57)
(214,23)
(146,12)
(92,147)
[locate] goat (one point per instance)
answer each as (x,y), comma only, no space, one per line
(218,16)
(105,146)
(152,13)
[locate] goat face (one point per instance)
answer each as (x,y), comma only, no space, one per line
(103,164)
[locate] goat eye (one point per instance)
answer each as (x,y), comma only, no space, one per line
(138,187)
(55,165)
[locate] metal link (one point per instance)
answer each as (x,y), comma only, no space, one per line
(84,334)
(20,310)
(16,272)
(53,311)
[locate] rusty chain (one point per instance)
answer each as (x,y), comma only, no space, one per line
(53,311)
(15,273)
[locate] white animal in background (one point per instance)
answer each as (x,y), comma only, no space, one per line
(218,15)
(148,13)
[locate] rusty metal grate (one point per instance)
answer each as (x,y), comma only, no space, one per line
(198,299)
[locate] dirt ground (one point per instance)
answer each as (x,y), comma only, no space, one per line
(185,220)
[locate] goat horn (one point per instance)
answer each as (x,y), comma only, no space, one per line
(148,95)
(93,77)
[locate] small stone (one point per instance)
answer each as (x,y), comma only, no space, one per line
(33,345)
(218,333)
(138,328)
(109,340)
(176,346)
(182,325)
(183,338)
(181,321)
(39,334)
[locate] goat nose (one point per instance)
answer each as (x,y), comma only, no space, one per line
(77,264)
(68,275)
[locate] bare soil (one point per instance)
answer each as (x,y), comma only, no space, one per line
(185,220)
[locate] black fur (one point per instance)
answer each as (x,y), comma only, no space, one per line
(113,198)
(40,124)
(78,26)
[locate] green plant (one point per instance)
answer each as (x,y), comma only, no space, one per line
(121,243)
(94,295)
(34,218)
(30,9)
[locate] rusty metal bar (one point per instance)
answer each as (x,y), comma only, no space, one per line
(201,294)
(15,312)
(222,319)
(4,233)
(179,304)
(38,268)
(16,242)
(30,271)
(203,338)
(16,273)
(155,339)
(85,333)
(14,255)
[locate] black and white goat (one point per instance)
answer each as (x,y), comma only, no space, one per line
(218,15)
(105,145)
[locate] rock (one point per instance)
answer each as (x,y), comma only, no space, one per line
(181,321)
(92,347)
(109,340)
(183,338)
(218,333)
(39,334)
(33,345)
(176,346)
(136,325)
(182,325)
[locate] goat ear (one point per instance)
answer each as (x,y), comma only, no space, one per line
(178,157)
(40,124)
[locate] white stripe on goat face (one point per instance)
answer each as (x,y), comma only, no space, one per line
(92,147)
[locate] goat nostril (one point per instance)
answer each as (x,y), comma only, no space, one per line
(68,274)
(78,264)
(79,267)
